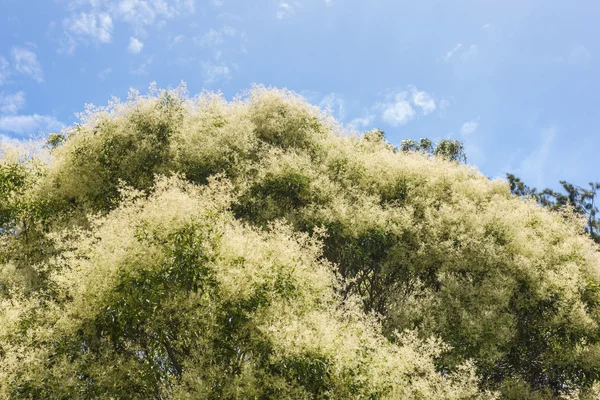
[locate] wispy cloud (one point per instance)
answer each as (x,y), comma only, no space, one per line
(400,106)
(468,128)
(424,101)
(450,53)
(83,27)
(214,72)
(286,9)
(4,72)
(216,69)
(362,122)
(94,19)
(335,104)
(214,38)
(11,103)
(12,123)
(142,69)
(341,108)
(398,112)
(462,53)
(26,63)
(176,40)
(137,13)
(135,45)
(142,13)
(29,124)
(97,26)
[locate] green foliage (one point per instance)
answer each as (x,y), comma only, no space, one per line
(171,297)
(194,248)
(24,218)
(450,149)
(55,140)
(580,200)
(12,181)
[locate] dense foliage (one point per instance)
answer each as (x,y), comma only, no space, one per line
(580,199)
(177,247)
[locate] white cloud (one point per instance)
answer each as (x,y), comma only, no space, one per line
(449,54)
(215,69)
(4,72)
(464,54)
(285,10)
(400,106)
(469,128)
(424,101)
(362,122)
(215,72)
(213,38)
(329,2)
(335,103)
(141,13)
(135,46)
(97,26)
(29,124)
(177,40)
(218,3)
(135,12)
(93,19)
(398,112)
(12,123)
(26,63)
(11,103)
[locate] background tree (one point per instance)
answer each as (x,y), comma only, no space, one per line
(449,149)
(580,199)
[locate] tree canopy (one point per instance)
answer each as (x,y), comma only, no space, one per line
(178,247)
(581,200)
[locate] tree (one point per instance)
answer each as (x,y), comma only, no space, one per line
(199,248)
(449,149)
(581,200)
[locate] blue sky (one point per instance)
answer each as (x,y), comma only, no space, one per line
(515,80)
